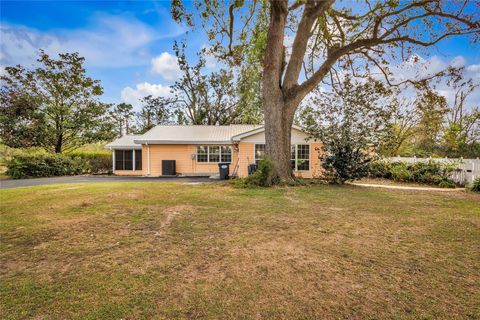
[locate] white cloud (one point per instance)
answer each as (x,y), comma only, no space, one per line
(166,65)
(133,96)
(107,41)
(474,68)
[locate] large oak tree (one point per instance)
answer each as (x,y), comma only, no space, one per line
(308,42)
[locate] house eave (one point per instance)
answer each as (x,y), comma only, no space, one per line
(150,141)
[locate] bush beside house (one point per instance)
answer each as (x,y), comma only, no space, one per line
(433,173)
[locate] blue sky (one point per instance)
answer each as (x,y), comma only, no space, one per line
(128,45)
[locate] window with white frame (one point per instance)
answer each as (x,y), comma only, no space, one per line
(259,153)
(214,154)
(226,154)
(300,157)
(303,157)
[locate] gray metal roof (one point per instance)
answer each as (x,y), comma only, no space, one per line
(126,141)
(194,134)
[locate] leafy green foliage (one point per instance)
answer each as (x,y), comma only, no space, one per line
(475,185)
(54,106)
(97,162)
(264,176)
(431,172)
(44,165)
(350,123)
(40,164)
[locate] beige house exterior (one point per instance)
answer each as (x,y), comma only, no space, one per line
(197,150)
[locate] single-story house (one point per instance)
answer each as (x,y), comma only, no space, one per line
(193,150)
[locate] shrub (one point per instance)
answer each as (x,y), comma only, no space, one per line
(475,185)
(446,183)
(380,169)
(97,162)
(400,172)
(44,165)
(431,172)
(264,176)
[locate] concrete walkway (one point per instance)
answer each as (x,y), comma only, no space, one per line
(407,187)
(8,184)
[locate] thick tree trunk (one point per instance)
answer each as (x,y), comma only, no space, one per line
(278,124)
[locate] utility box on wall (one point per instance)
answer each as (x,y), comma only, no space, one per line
(168,168)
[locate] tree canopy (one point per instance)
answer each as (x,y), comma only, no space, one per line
(55,106)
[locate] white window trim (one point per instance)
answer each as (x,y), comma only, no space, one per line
(255,151)
(296,157)
(208,154)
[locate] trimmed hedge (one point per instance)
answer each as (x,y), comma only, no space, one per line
(44,165)
(431,172)
(24,165)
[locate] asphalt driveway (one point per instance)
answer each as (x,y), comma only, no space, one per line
(8,184)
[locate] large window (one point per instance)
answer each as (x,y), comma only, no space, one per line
(214,154)
(259,152)
(123,159)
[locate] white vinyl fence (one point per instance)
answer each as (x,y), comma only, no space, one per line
(466,170)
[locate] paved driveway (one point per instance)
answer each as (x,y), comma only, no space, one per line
(7,184)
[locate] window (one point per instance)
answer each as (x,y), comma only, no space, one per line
(259,152)
(138,159)
(226,153)
(123,159)
(214,154)
(202,154)
(303,157)
(300,157)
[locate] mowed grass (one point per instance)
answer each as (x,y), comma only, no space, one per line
(178,251)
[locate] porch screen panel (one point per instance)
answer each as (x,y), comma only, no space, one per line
(138,159)
(119,160)
(128,154)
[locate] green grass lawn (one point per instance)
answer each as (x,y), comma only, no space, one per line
(168,251)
